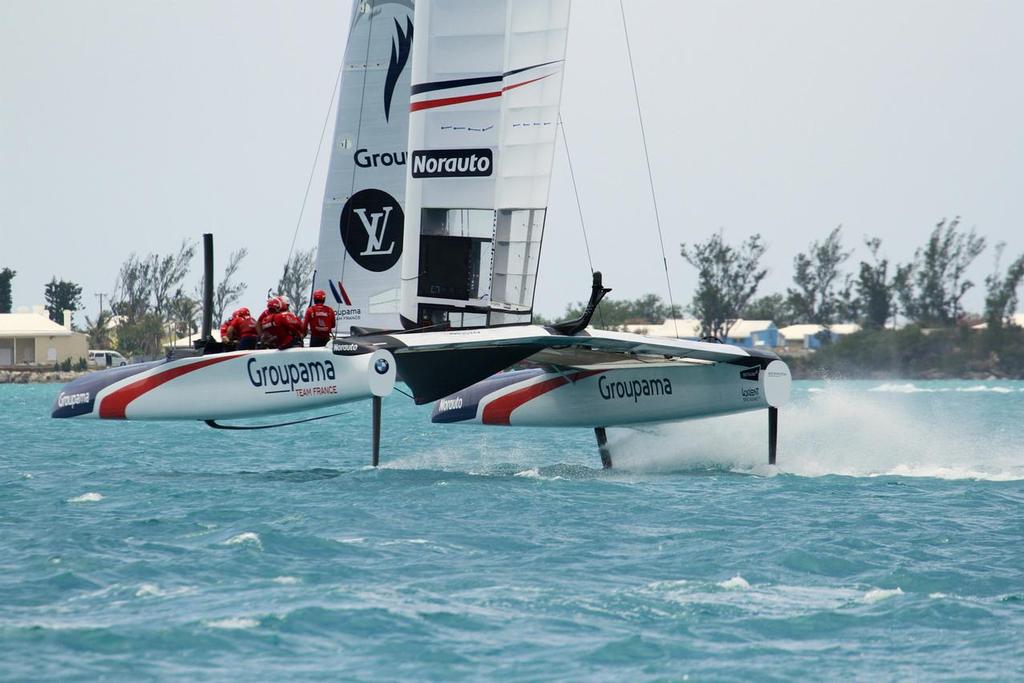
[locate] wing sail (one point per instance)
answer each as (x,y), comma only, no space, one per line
(361,226)
(487,83)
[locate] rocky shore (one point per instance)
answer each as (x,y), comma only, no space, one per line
(38,376)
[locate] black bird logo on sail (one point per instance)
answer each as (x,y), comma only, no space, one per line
(401,47)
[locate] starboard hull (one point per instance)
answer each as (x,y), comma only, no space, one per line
(229,385)
(616,397)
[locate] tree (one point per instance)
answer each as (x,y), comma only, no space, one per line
(727,279)
(815,300)
(131,299)
(60,296)
(167,273)
(6,275)
(98,331)
(227,290)
(297,278)
(1002,291)
(615,314)
(774,307)
(141,337)
(876,292)
(182,312)
(936,281)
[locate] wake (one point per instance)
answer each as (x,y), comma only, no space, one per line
(837,430)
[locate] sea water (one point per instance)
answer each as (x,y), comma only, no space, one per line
(887,545)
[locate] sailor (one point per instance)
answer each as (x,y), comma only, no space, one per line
(225,327)
(242,330)
(283,329)
(319,320)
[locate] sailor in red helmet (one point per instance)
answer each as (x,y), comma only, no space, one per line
(282,329)
(242,330)
(319,320)
(273,308)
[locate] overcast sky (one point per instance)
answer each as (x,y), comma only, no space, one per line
(127,126)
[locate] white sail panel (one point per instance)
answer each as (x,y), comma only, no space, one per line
(487,83)
(361,228)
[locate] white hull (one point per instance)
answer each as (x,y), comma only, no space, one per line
(229,385)
(616,397)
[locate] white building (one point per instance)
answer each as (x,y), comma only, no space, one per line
(34,339)
(809,336)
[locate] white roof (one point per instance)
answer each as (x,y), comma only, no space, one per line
(741,329)
(1017,319)
(687,327)
(184,342)
(30,325)
(794,332)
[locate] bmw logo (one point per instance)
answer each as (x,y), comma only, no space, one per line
(382,366)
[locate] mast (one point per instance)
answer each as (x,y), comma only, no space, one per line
(487,85)
(361,226)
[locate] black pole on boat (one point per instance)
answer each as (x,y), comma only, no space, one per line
(376,430)
(773,434)
(602,447)
(207,286)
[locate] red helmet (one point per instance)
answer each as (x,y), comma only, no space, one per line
(283,303)
(242,312)
(274,304)
(319,296)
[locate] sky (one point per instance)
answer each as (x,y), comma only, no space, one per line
(129,126)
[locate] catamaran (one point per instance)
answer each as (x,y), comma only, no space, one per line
(431,230)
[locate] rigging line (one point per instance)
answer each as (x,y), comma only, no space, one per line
(316,159)
(359,126)
(579,206)
(650,174)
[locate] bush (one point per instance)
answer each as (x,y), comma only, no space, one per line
(65,365)
(81,365)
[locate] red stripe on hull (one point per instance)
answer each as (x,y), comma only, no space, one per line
(499,411)
(462,99)
(113,406)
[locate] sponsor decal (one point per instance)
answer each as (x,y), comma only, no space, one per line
(282,377)
(751,394)
(341,347)
(446,404)
(401,46)
(72,400)
(751,373)
(452,163)
(364,158)
(382,366)
(634,389)
(371,229)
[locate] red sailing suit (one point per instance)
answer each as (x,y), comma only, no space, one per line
(284,330)
(242,329)
(319,323)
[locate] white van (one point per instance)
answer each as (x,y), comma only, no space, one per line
(106,359)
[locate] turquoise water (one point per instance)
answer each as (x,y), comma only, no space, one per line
(889,545)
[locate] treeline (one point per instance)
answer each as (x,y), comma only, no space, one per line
(151,304)
(928,291)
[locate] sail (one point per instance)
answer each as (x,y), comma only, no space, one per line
(361,226)
(487,82)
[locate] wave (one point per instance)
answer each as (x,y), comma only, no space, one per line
(245,537)
(841,430)
(91,497)
(911,388)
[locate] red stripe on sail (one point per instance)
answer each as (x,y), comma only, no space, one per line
(344,294)
(113,406)
(462,99)
(499,411)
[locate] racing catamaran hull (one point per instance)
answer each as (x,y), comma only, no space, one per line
(229,385)
(611,397)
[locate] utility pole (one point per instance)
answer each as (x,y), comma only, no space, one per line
(100,296)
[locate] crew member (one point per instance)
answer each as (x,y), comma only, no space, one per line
(225,331)
(265,321)
(319,320)
(283,329)
(242,330)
